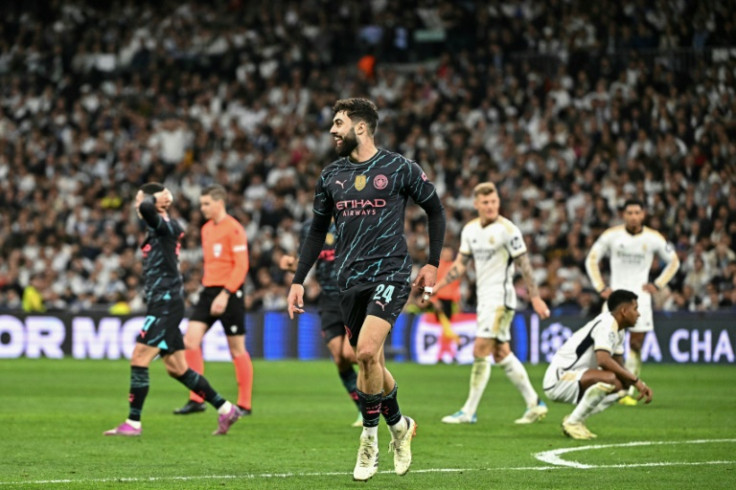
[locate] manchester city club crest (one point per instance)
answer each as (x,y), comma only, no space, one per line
(380,182)
(360,181)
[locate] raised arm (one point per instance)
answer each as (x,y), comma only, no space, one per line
(149,207)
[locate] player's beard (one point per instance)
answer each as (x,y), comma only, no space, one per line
(349,143)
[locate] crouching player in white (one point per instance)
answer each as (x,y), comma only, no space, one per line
(496,246)
(588,369)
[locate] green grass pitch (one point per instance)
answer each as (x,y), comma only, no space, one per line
(53,413)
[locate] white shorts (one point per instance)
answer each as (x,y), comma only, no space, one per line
(494,322)
(567,387)
(645,323)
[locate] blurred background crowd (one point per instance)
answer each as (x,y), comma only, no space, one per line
(569,106)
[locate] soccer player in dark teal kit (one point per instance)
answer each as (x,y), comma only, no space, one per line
(165,309)
(366,191)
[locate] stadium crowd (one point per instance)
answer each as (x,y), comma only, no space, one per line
(570,107)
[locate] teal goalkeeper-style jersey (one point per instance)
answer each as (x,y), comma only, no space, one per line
(367,201)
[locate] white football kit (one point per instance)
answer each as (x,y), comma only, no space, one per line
(493,249)
(577,355)
(631,259)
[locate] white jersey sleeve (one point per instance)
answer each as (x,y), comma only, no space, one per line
(667,253)
(515,241)
(465,237)
(606,336)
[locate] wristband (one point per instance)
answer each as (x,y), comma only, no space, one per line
(427,293)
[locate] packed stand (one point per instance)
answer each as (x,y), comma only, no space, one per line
(568,108)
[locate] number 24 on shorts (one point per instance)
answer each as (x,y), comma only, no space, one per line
(384,293)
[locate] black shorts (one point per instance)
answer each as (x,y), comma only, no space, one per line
(448,307)
(384,300)
(161,327)
(330,317)
(233,318)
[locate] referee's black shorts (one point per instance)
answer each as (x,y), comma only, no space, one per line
(233,318)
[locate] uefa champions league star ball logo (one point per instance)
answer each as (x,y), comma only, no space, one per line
(552,339)
(380,182)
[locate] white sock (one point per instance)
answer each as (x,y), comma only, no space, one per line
(225,408)
(399,427)
(370,432)
(633,365)
(136,424)
(608,401)
(592,397)
(517,374)
(479,376)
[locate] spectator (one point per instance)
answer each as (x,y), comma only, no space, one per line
(88,114)
(33,299)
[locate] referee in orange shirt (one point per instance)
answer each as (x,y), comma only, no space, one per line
(449,296)
(225,250)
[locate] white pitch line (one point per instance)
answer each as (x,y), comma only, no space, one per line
(609,466)
(555,466)
(553,457)
(247,476)
(255,476)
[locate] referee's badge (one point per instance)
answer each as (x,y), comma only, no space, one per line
(217,249)
(360,181)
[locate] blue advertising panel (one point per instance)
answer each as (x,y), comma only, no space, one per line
(678,338)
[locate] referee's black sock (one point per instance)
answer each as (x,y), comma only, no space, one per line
(139,383)
(199,384)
